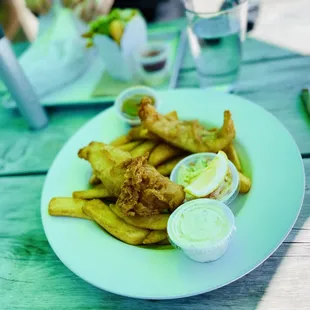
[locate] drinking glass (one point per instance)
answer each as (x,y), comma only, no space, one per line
(216,30)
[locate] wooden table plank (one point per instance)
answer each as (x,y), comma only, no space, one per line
(24,151)
(28,265)
(47,283)
(278,92)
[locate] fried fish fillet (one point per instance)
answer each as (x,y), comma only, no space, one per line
(107,163)
(146,192)
(140,188)
(188,135)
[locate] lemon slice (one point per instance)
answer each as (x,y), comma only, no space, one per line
(210,178)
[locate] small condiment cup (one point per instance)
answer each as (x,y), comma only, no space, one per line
(152,63)
(129,92)
(230,196)
(201,251)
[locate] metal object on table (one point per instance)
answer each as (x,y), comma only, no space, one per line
(178,60)
(18,85)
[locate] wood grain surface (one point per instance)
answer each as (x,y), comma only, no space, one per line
(32,277)
(270,76)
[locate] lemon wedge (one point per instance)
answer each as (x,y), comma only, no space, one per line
(210,178)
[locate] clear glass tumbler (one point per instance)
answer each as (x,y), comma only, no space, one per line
(216,30)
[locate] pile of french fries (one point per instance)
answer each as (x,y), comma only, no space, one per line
(95,203)
(137,230)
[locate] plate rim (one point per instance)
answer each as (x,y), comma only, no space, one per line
(243,273)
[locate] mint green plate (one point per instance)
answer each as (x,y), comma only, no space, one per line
(264,216)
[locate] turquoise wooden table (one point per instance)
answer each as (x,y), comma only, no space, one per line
(32,277)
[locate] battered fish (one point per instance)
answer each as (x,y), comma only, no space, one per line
(140,188)
(146,192)
(188,135)
(107,163)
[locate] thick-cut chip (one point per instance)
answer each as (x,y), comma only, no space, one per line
(121,140)
(141,133)
(94,180)
(163,152)
(103,215)
(129,146)
(166,168)
(155,236)
(92,193)
(153,222)
(245,183)
(232,155)
(142,149)
(66,206)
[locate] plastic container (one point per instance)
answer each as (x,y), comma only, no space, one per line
(200,251)
(230,196)
(129,92)
(153,63)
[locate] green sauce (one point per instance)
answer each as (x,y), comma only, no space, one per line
(132,104)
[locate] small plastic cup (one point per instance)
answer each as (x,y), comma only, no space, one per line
(230,196)
(152,63)
(136,90)
(204,251)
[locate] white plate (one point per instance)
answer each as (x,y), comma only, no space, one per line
(264,217)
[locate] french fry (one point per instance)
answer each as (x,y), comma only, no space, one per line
(166,168)
(92,193)
(94,180)
(129,146)
(142,149)
(153,222)
(121,140)
(66,206)
(163,152)
(155,236)
(245,183)
(233,156)
(141,133)
(103,216)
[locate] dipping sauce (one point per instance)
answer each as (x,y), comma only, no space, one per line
(153,63)
(131,105)
(200,224)
(156,64)
(201,229)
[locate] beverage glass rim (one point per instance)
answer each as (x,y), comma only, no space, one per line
(241,2)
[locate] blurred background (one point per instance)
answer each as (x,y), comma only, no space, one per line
(19,18)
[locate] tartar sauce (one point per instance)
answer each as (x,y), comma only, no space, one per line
(201,229)
(201,223)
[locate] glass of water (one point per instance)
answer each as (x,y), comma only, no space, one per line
(216,30)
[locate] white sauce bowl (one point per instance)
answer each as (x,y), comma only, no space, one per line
(129,92)
(201,251)
(230,196)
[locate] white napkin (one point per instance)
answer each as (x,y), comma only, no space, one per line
(58,57)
